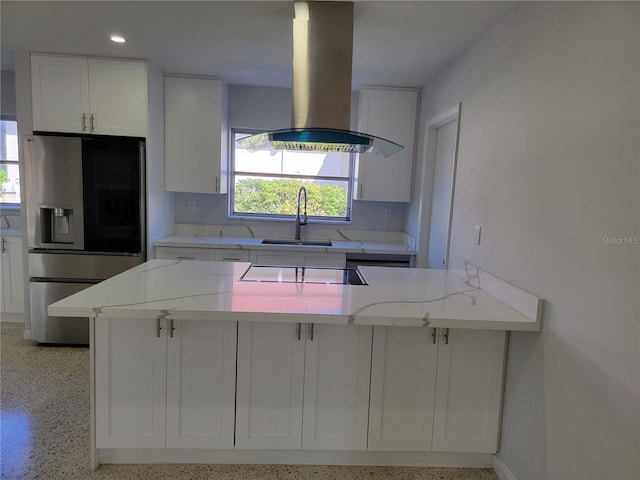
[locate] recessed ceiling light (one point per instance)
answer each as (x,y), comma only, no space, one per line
(117,38)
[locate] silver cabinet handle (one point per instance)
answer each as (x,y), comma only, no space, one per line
(433,335)
(84,122)
(298,330)
(4,245)
(311,332)
(446,336)
(233,259)
(184,258)
(171,328)
(158,327)
(92,122)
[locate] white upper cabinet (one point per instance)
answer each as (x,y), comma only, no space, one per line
(92,96)
(195,135)
(389,113)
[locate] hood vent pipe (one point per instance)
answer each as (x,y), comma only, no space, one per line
(321,88)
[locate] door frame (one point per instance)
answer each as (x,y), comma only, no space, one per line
(430,138)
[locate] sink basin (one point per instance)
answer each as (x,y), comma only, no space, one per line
(312,243)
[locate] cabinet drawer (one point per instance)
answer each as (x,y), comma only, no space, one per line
(232,255)
(185,253)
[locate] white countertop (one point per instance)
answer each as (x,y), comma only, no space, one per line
(202,290)
(337,246)
(250,237)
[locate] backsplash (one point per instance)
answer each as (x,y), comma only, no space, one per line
(212,210)
(272,230)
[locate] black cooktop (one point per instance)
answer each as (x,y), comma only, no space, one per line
(267,273)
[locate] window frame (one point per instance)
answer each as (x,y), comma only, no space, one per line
(4,161)
(282,217)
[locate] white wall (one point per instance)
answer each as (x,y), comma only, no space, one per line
(160,204)
(269,108)
(7,93)
(549,166)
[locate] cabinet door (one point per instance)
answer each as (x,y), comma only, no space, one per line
(195,135)
(280,258)
(118,98)
(201,378)
(336,387)
(12,275)
(468,390)
(390,113)
(270,378)
(337,260)
(403,377)
(59,94)
(130,383)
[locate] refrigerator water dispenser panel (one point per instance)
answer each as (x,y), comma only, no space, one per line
(56,225)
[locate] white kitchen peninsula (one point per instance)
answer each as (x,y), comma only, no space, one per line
(190,364)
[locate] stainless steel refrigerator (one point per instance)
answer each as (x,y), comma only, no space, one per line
(85,222)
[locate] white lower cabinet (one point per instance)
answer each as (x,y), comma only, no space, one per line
(336,387)
(270,382)
(163,384)
(439,390)
(469,384)
(174,384)
(296,258)
(302,386)
(403,379)
(12,299)
(209,254)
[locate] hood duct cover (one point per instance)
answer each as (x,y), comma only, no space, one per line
(321,88)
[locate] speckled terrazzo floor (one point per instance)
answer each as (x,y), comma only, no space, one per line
(44,423)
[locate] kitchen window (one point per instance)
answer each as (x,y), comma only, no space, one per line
(265,183)
(9,170)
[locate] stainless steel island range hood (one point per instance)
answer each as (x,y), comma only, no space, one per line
(321,90)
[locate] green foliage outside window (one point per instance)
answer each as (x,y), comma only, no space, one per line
(4,176)
(257,195)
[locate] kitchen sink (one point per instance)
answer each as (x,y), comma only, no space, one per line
(312,243)
(340,276)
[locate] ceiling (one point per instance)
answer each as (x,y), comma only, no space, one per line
(396,43)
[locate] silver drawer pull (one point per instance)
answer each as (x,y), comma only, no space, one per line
(171,328)
(298,330)
(158,327)
(236,259)
(184,258)
(311,332)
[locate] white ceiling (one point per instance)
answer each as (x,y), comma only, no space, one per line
(396,43)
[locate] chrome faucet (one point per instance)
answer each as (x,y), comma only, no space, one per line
(304,220)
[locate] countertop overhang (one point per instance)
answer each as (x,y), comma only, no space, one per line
(203,290)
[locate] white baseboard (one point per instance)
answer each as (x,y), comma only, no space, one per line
(12,317)
(501,468)
(293,457)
